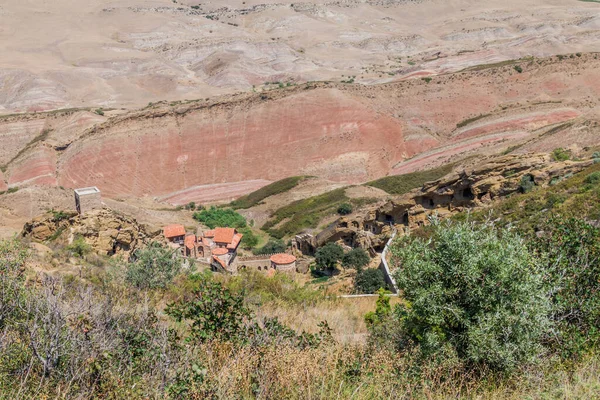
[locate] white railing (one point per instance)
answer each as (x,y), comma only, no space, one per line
(386,268)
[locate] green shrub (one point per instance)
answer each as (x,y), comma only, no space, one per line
(99,111)
(273,246)
(472,292)
(369,281)
(329,255)
(571,255)
(561,154)
(250,239)
(527,184)
(222,217)
(153,267)
(383,309)
(345,209)
(355,258)
(79,247)
(13,189)
(518,68)
(592,178)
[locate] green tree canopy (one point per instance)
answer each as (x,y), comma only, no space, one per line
(355,258)
(223,217)
(329,255)
(473,291)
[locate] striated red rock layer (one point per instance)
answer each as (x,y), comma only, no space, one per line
(38,167)
(305,132)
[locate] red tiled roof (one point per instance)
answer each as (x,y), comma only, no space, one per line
(219,251)
(217,259)
(224,235)
(173,230)
(283,258)
(209,233)
(190,241)
(235,241)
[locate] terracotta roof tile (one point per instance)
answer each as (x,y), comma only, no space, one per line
(217,259)
(173,230)
(209,233)
(283,258)
(190,241)
(219,251)
(224,235)
(235,241)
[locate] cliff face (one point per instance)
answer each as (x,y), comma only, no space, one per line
(106,231)
(467,188)
(340,132)
(317,132)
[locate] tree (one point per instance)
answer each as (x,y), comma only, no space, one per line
(474,292)
(329,255)
(345,209)
(356,258)
(153,267)
(79,247)
(369,281)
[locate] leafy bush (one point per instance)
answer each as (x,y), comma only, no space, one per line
(215,311)
(345,209)
(369,281)
(473,292)
(571,254)
(79,247)
(383,309)
(561,154)
(329,255)
(355,258)
(153,267)
(527,184)
(273,246)
(592,178)
(518,68)
(222,217)
(250,239)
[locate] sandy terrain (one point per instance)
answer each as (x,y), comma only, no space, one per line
(126,53)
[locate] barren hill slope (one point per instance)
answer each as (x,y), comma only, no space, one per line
(126,53)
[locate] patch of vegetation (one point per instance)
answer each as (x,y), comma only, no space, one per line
(152,267)
(369,281)
(497,65)
(463,287)
(250,239)
(561,154)
(304,213)
(273,246)
(518,68)
(222,217)
(99,111)
(345,209)
(256,197)
(79,247)
(471,120)
(427,79)
(328,256)
(401,184)
(356,258)
(527,184)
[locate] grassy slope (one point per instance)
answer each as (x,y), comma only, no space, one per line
(254,198)
(401,184)
(307,213)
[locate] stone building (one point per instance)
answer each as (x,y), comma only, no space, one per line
(283,262)
(87,199)
(175,234)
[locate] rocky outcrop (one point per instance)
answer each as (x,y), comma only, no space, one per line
(106,231)
(467,188)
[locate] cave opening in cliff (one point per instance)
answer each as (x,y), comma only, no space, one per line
(468,194)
